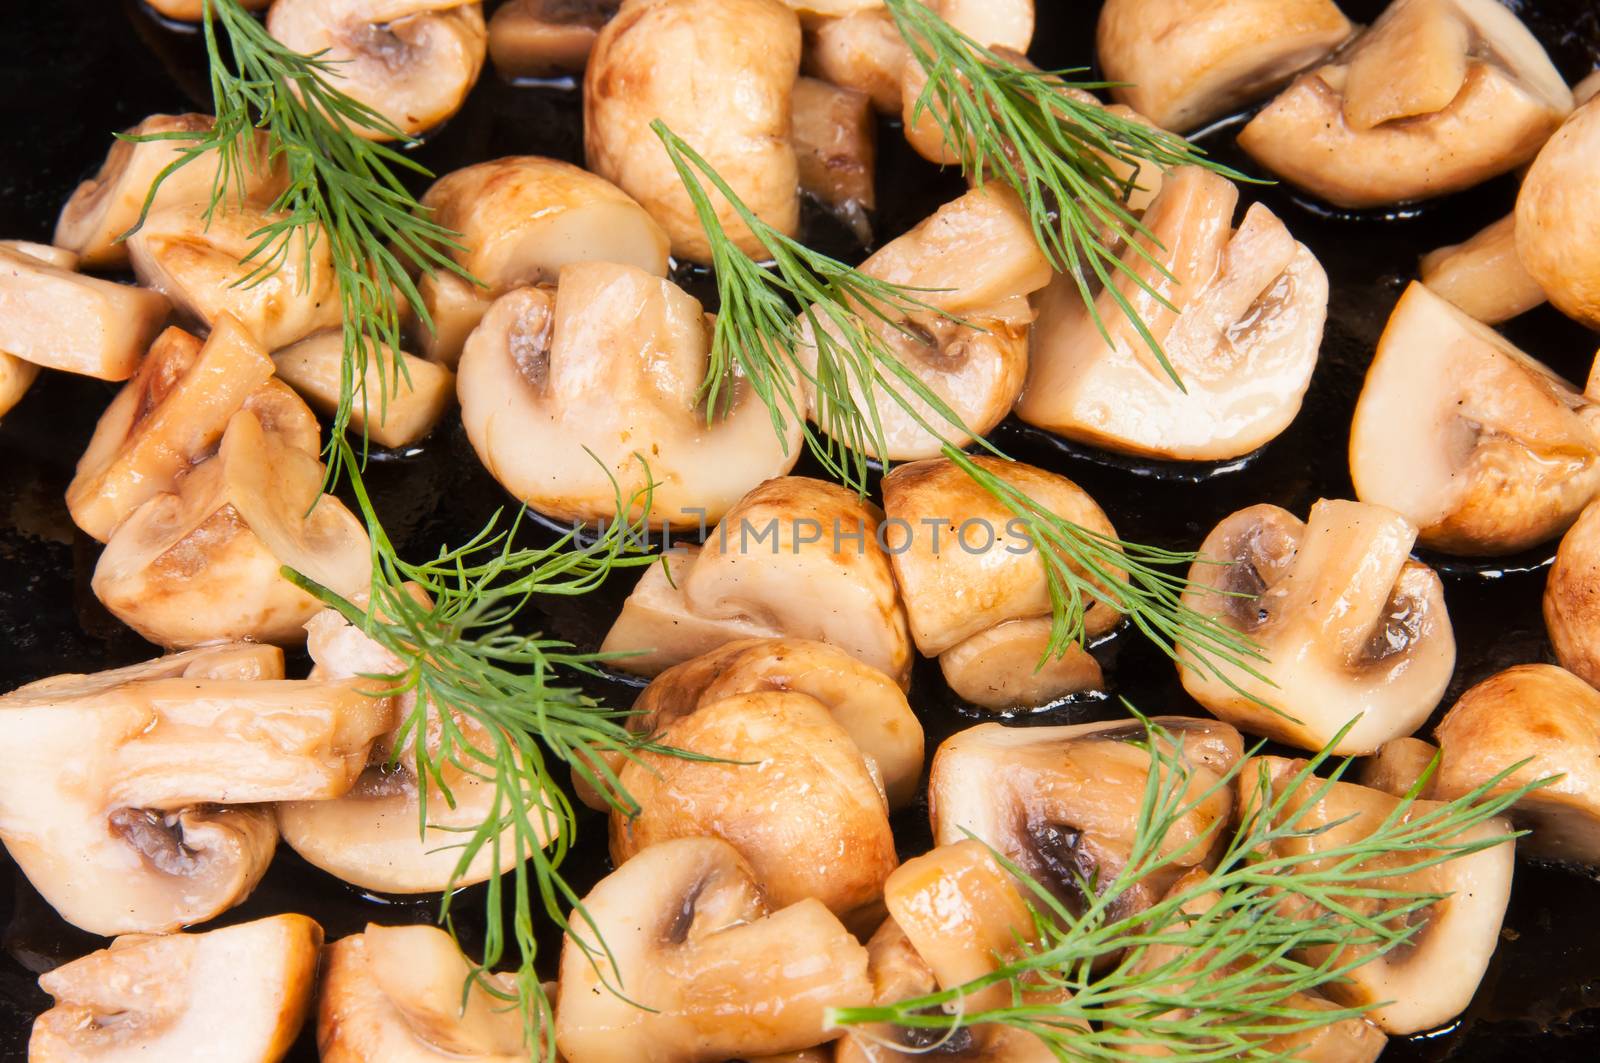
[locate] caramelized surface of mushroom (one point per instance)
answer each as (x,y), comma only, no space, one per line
(1484,276)
(1557,233)
(546,38)
(1572,598)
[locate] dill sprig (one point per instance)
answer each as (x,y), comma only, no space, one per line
(1210,972)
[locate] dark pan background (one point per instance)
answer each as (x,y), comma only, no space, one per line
(72,71)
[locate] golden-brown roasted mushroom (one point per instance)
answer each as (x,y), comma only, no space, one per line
(835,144)
(1572,598)
(719,73)
(1499,453)
(719,974)
(1484,275)
(238,994)
(1557,233)
(395,409)
(193,10)
(577,399)
(412,61)
(546,38)
(1397,766)
(862,51)
(1349,625)
(1436,96)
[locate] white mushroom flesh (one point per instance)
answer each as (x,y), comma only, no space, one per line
(1484,275)
(58,319)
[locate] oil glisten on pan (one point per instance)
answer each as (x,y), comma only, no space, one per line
(74,71)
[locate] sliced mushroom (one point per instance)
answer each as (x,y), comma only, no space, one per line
(412,61)
(1398,766)
(719,73)
(395,408)
(578,400)
(1572,598)
(111,203)
(1238,314)
(1352,631)
(1185,66)
(835,144)
(975,588)
(1500,453)
(112,811)
(405,994)
(795,558)
(194,10)
(205,562)
(520,220)
(1557,235)
(546,38)
(1062,803)
(719,976)
(239,994)
(1484,275)
(861,51)
(1436,96)
(1531,722)
(784,784)
(1432,977)
(16,374)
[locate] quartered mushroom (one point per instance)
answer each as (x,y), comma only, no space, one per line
(133,803)
(784,784)
(1572,598)
(979,600)
(1543,722)
(1500,453)
(412,61)
(1241,325)
(520,219)
(546,38)
(1003,26)
(1184,65)
(1398,766)
(1557,234)
(403,994)
(576,400)
(718,973)
(975,261)
(1484,276)
(835,144)
(239,994)
(797,558)
(394,408)
(1436,96)
(1351,630)
(56,318)
(1432,978)
(720,74)
(1062,803)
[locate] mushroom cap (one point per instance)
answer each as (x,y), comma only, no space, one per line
(1250,307)
(979,255)
(412,61)
(395,410)
(790,791)
(1484,275)
(796,557)
(690,938)
(1436,96)
(1349,625)
(238,994)
(578,400)
(1184,66)
(546,38)
(1397,766)
(719,73)
(1543,722)
(1501,454)
(861,51)
(395,994)
(1557,233)
(1572,598)
(1431,979)
(1009,667)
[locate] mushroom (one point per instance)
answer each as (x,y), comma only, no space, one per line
(194,10)
(239,994)
(784,784)
(1352,632)
(835,144)
(110,806)
(205,561)
(412,61)
(1557,235)
(1528,723)
(577,400)
(1484,275)
(796,557)
(710,973)
(546,38)
(59,319)
(980,600)
(114,200)
(861,51)
(1398,766)
(1238,313)
(1062,803)
(406,994)
(1572,598)
(719,73)
(1432,978)
(974,263)
(16,374)
(1184,66)
(395,408)
(520,219)
(1436,96)
(372,836)
(1500,453)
